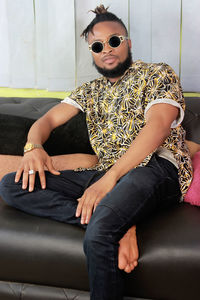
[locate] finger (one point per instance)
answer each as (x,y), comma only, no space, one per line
(31,181)
(25,179)
(87,209)
(90,211)
(86,213)
(18,174)
(79,207)
(84,207)
(83,214)
(42,178)
(95,206)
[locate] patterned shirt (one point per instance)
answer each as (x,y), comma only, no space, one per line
(115,114)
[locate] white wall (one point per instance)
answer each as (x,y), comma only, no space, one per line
(190,67)
(41,45)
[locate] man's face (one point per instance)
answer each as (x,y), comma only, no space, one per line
(109,58)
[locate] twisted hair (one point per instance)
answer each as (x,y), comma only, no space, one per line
(102,15)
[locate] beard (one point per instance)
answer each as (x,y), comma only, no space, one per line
(119,70)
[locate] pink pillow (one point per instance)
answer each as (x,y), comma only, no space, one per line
(193,194)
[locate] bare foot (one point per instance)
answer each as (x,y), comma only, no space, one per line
(128,251)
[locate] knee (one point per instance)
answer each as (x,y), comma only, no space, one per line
(8,179)
(93,240)
(6,186)
(102,229)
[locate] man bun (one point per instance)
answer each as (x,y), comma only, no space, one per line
(100,10)
(102,15)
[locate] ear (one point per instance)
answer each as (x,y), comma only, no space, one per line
(129,43)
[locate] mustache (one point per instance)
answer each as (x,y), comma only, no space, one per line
(108,56)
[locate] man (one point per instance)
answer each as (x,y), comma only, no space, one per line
(133,114)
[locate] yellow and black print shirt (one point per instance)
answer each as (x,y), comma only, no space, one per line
(115,114)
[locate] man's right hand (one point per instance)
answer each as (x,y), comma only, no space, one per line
(37,160)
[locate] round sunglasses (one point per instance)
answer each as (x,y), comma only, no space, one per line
(114,42)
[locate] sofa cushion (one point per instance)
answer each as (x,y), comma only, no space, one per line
(169,264)
(39,250)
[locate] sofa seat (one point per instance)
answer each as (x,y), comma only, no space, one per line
(43,259)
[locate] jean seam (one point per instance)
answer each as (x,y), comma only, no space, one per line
(128,220)
(115,212)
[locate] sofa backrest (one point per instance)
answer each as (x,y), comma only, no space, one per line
(18,114)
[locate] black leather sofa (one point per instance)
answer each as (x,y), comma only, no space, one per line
(41,259)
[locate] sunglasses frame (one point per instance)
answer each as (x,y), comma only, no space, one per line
(122,38)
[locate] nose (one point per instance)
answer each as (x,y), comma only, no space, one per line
(107,48)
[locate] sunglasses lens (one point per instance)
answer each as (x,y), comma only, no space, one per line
(114,41)
(97,47)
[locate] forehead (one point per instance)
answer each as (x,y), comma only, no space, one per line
(103,30)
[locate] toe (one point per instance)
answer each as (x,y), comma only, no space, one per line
(128,269)
(122,262)
(135,263)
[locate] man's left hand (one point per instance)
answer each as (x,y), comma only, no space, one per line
(92,196)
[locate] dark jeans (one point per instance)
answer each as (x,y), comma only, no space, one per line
(138,194)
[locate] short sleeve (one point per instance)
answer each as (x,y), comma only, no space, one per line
(163,86)
(164,83)
(79,97)
(180,118)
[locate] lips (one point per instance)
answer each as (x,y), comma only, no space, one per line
(109,59)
